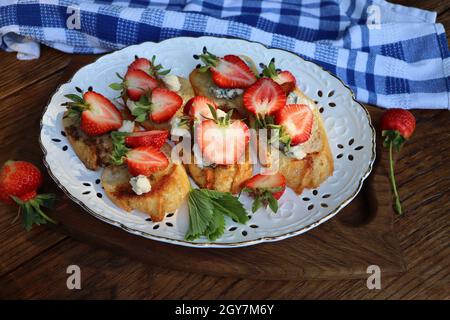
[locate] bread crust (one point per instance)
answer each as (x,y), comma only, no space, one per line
(94,152)
(170,188)
(224,178)
(202,82)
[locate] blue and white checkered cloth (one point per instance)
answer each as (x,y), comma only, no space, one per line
(390,55)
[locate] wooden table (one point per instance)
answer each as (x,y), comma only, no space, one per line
(33,264)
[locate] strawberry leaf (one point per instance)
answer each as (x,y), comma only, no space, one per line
(120,149)
(32,212)
(273,203)
(116,86)
(74,97)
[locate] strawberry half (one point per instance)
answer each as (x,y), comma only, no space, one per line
(296,121)
(153,138)
(165,104)
(145,161)
(266,190)
(265,97)
(101,116)
(137,83)
(284,78)
(222,141)
(198,108)
(160,107)
(229,71)
(98,114)
(149,67)
(142,64)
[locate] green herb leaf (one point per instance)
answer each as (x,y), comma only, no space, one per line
(201,212)
(207,210)
(230,206)
(116,86)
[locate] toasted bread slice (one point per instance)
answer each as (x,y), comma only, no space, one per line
(186,92)
(224,178)
(94,152)
(169,189)
(202,83)
(318,164)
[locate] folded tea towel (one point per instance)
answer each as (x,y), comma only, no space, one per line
(390,55)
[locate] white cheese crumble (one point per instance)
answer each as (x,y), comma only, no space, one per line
(296,152)
(140,184)
(172,82)
(131,105)
(127,126)
(176,130)
(222,93)
(293,98)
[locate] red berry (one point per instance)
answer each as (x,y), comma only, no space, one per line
(18,178)
(400,120)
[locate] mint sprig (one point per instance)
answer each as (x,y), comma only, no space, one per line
(207,211)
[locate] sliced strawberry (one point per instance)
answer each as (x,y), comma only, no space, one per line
(145,161)
(137,82)
(153,138)
(198,108)
(142,64)
(232,72)
(100,115)
(222,143)
(266,190)
(165,104)
(286,80)
(283,78)
(265,97)
(229,71)
(270,182)
(297,121)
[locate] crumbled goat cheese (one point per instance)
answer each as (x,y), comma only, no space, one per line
(140,184)
(131,105)
(296,152)
(176,130)
(221,93)
(127,126)
(172,82)
(292,98)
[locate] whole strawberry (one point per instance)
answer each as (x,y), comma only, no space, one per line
(19,181)
(397,126)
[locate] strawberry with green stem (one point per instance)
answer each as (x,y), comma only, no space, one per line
(221,140)
(284,78)
(135,84)
(149,67)
(142,160)
(19,182)
(397,126)
(159,105)
(229,71)
(266,189)
(263,99)
(96,113)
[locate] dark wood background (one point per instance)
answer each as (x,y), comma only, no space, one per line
(33,264)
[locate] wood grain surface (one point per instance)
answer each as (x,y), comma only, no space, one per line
(33,264)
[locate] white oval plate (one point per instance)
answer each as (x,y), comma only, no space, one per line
(351,137)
